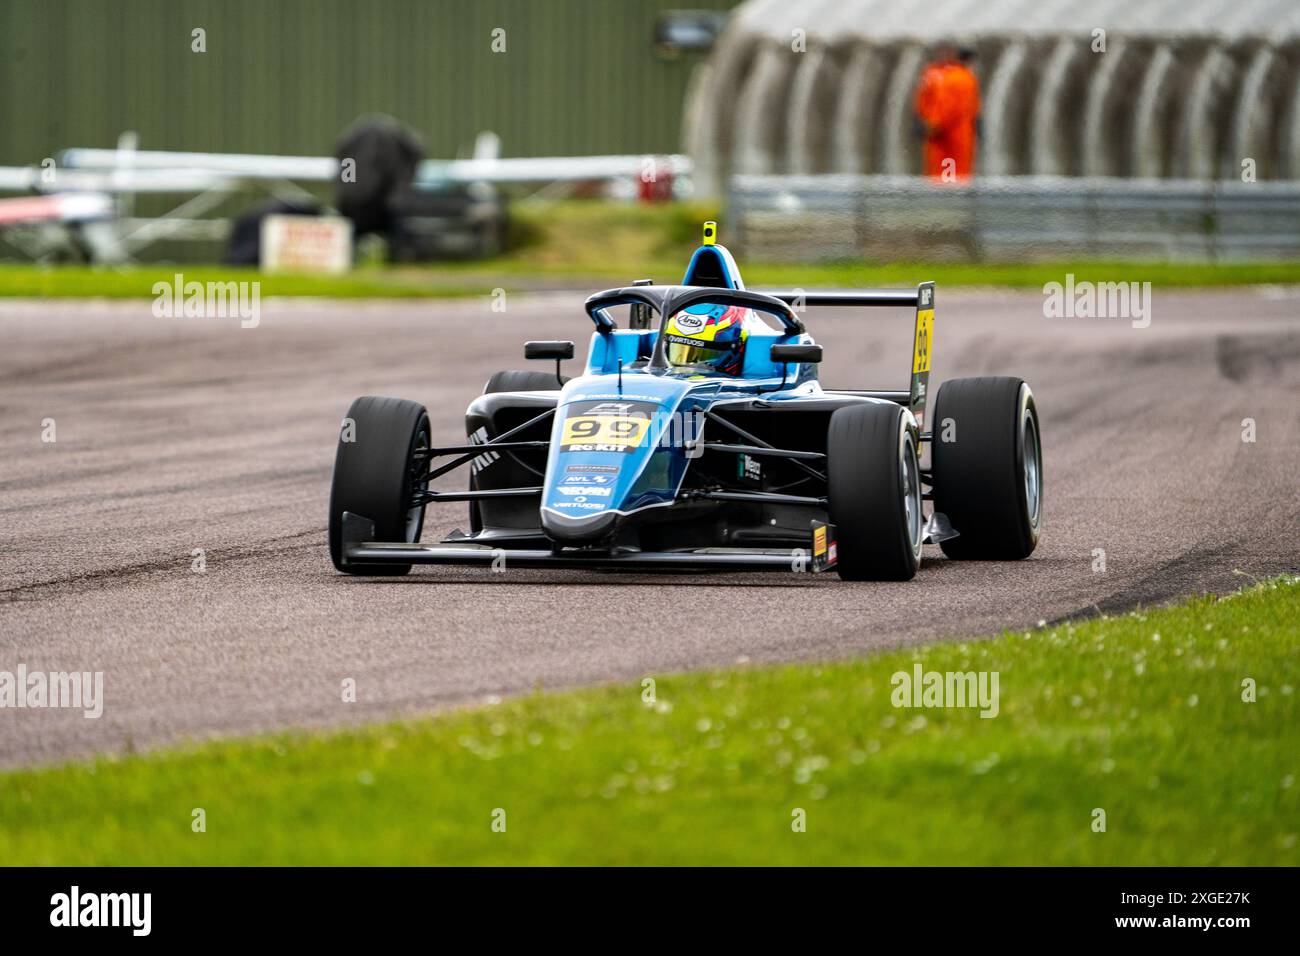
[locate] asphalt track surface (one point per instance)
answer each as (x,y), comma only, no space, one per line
(181,434)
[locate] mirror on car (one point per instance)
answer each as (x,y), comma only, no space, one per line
(548,350)
(801,352)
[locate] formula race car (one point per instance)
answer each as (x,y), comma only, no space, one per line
(699,438)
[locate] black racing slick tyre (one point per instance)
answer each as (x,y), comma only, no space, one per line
(514,381)
(377,475)
(987,463)
(874,482)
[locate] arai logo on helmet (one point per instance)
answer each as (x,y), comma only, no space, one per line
(690,324)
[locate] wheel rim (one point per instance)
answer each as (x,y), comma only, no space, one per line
(1032,465)
(419,484)
(909,472)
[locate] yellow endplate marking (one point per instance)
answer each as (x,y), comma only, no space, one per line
(924,336)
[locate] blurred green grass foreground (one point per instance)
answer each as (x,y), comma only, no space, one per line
(589,244)
(1160,737)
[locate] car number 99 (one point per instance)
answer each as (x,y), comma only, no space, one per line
(604,430)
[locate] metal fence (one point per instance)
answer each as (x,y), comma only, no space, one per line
(90,206)
(894,218)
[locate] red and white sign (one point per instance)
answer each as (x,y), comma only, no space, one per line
(306,244)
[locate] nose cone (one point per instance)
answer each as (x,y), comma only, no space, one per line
(614,451)
(589,529)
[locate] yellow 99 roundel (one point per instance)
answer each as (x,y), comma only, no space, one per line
(608,430)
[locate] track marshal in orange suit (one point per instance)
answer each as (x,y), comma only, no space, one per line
(948,106)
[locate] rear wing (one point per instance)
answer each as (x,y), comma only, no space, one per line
(921,299)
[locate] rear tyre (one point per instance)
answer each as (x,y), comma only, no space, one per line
(988,475)
(875,492)
(514,381)
(377,474)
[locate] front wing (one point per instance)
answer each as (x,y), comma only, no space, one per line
(359,548)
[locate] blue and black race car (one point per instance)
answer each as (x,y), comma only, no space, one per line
(698,437)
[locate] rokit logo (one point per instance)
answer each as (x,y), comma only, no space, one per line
(132,910)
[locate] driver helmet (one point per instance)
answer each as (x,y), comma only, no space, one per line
(707,338)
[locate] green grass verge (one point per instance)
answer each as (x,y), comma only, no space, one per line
(137,282)
(1141,716)
(587,243)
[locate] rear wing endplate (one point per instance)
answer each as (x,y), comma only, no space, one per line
(922,342)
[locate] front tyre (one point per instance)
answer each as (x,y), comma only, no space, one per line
(875,492)
(988,467)
(378,475)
